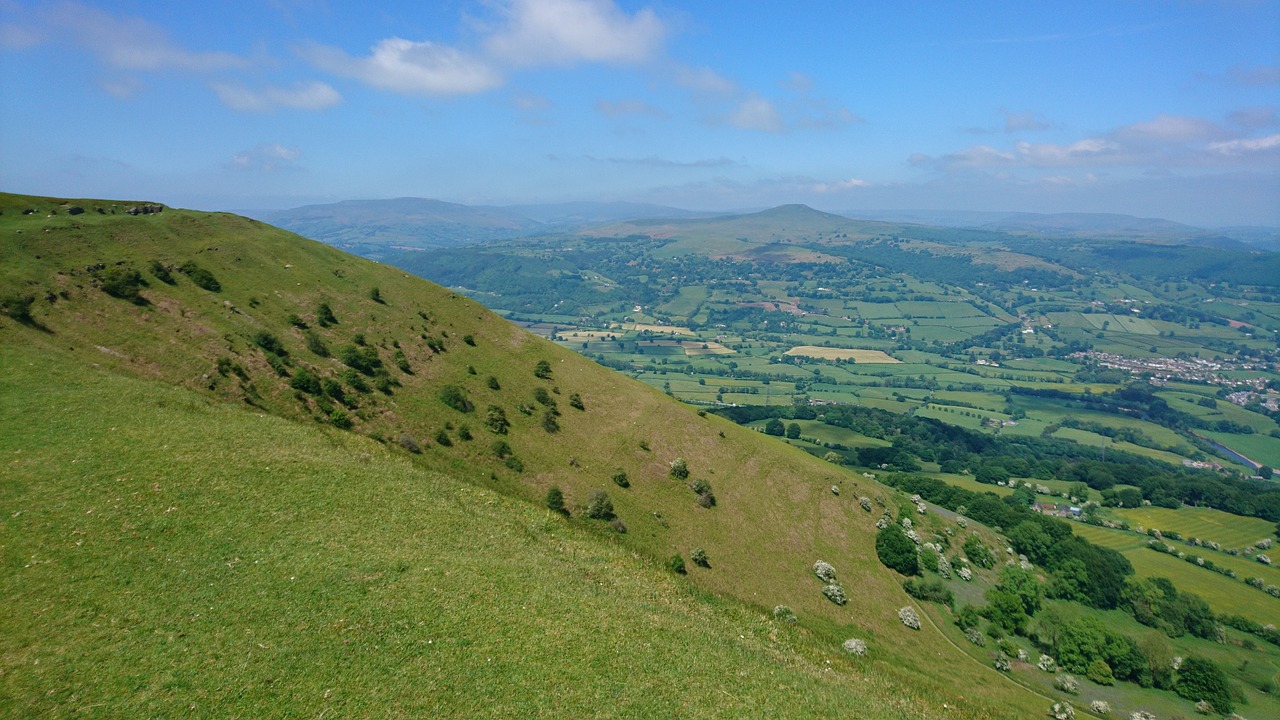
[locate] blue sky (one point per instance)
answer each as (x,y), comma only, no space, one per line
(1167,109)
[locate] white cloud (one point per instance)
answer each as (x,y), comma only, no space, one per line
(1171,129)
(130,43)
(1076,153)
(704,81)
(562,32)
(313,95)
(268,157)
(1156,145)
(654,161)
(1247,146)
(840,185)
(1024,121)
(410,67)
(757,113)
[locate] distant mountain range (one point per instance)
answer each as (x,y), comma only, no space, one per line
(375,228)
(1101,226)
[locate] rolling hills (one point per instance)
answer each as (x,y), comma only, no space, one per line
(250,474)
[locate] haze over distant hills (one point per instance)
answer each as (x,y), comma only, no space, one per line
(375,227)
(371,227)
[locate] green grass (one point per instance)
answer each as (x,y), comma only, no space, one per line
(1223,594)
(1231,531)
(190,558)
(120,433)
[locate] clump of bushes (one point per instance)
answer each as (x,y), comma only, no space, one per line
(928,590)
(975,636)
(315,344)
(679,468)
(542,370)
(18,307)
(835,593)
(162,273)
(123,282)
(909,617)
(825,571)
(201,277)
(1067,684)
(676,563)
(855,646)
(620,478)
(1062,711)
(555,500)
(456,398)
(599,506)
(896,550)
(706,498)
(493,384)
(325,316)
(575,402)
(496,420)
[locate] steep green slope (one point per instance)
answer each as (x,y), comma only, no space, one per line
(775,513)
(182,558)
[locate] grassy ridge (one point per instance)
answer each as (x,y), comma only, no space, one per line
(304,496)
(190,560)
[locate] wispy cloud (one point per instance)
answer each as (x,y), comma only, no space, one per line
(654,161)
(304,96)
(756,113)
(268,157)
(561,32)
(128,43)
(1165,141)
(1250,146)
(840,185)
(1023,121)
(405,66)
(525,33)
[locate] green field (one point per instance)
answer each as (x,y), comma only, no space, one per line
(1231,531)
(1222,593)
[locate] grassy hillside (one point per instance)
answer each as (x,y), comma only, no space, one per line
(165,551)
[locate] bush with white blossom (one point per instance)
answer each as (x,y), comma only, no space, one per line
(1001,663)
(855,646)
(1262,558)
(944,566)
(1100,707)
(975,636)
(825,571)
(782,613)
(909,617)
(1204,707)
(1047,664)
(906,523)
(965,574)
(1142,715)
(1067,684)
(865,502)
(1062,711)
(835,594)
(882,523)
